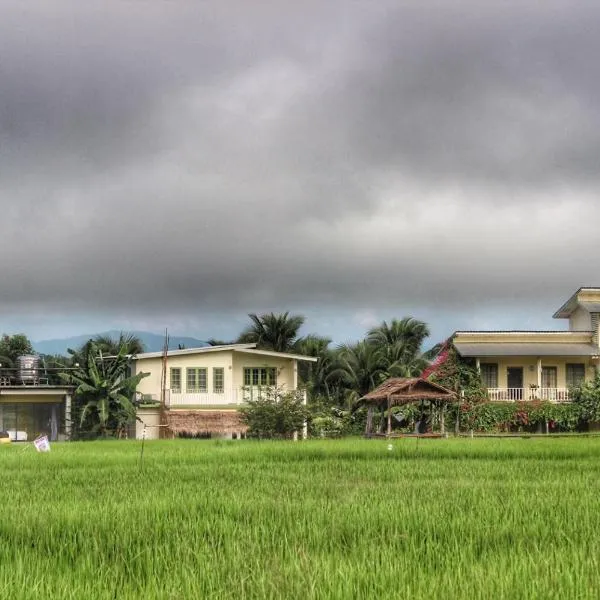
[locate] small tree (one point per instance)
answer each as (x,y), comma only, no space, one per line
(104,391)
(275,414)
(13,346)
(587,396)
(459,375)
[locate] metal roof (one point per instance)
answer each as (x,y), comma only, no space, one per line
(525,349)
(201,350)
(245,348)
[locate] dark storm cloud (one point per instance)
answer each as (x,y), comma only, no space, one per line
(171,158)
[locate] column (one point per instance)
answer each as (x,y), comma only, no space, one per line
(68,416)
(305,426)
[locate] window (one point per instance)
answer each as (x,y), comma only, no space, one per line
(549,377)
(218,380)
(196,380)
(260,376)
(575,374)
(489,375)
(176,381)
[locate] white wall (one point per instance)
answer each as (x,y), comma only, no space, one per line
(208,360)
(580,320)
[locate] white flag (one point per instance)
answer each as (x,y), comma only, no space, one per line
(42,444)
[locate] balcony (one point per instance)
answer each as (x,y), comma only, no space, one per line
(227,398)
(529,394)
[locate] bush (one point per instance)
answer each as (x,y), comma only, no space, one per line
(276,414)
(587,397)
(517,416)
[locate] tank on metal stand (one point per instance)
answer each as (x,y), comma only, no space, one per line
(28,369)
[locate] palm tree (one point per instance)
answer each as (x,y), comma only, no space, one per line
(359,368)
(104,389)
(217,342)
(315,375)
(400,342)
(112,346)
(106,346)
(272,331)
(408,331)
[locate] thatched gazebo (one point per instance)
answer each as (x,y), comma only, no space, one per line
(404,390)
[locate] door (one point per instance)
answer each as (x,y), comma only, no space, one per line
(514,381)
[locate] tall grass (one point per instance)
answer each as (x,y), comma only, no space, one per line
(332,519)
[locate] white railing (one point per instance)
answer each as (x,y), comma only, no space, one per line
(183,398)
(228,397)
(528,394)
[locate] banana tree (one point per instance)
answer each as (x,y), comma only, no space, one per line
(104,391)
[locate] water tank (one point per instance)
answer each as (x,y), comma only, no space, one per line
(28,368)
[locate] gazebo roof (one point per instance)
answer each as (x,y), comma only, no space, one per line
(403,390)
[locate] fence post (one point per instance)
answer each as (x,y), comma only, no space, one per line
(305,426)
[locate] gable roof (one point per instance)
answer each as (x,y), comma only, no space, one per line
(245,348)
(565,311)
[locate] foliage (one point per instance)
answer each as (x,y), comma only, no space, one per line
(104,345)
(520,416)
(587,397)
(316,376)
(460,376)
(323,520)
(332,421)
(110,346)
(399,342)
(272,331)
(13,346)
(103,391)
(275,414)
(359,368)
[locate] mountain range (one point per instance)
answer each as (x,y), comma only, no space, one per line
(153,342)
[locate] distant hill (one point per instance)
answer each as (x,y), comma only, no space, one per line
(153,342)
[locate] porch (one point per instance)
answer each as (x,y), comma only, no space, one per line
(520,394)
(529,379)
(228,398)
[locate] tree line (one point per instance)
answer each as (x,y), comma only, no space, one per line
(105,391)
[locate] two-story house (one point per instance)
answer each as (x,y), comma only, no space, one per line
(201,388)
(539,365)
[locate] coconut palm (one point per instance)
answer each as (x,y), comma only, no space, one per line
(273,331)
(359,368)
(104,390)
(112,346)
(315,375)
(400,343)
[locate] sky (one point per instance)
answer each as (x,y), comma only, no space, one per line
(179,164)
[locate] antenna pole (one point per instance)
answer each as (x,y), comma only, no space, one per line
(163,387)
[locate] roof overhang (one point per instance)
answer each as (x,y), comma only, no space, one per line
(244,348)
(525,349)
(32,390)
(185,351)
(276,354)
(579,299)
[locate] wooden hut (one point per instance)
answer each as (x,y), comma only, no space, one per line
(404,390)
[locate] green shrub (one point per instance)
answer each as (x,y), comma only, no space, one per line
(275,415)
(517,416)
(587,397)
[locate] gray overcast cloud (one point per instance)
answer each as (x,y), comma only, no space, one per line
(183,163)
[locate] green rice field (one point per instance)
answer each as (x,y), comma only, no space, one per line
(455,518)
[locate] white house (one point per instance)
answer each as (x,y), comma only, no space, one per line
(539,365)
(201,387)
